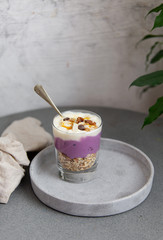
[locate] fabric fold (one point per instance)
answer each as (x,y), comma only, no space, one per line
(30,133)
(12,159)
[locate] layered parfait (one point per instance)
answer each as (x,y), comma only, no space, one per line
(77,140)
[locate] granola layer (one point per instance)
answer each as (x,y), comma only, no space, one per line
(76,164)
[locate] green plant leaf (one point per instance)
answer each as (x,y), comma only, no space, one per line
(155,78)
(158,21)
(151,79)
(151,36)
(154,112)
(146,89)
(149,53)
(157,57)
(156,9)
(148,36)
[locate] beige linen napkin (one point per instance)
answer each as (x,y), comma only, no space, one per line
(20,136)
(12,158)
(30,133)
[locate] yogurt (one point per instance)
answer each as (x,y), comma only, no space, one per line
(77,135)
(68,127)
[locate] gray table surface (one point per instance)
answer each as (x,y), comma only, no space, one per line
(25,217)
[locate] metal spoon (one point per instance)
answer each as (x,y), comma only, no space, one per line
(42,93)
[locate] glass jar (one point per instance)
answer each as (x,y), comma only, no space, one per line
(77,153)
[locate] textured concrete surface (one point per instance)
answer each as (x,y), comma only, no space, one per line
(74,47)
(25,217)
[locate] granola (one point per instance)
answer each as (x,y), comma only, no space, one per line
(76,164)
(83,124)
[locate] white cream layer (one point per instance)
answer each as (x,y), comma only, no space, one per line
(75,133)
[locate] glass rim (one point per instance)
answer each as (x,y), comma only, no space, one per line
(80,110)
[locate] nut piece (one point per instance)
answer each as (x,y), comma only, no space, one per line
(81,127)
(79,119)
(72,120)
(66,119)
(90,122)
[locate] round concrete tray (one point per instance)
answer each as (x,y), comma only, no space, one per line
(123,180)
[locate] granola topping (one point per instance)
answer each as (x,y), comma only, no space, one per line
(79,119)
(81,127)
(90,122)
(82,123)
(66,119)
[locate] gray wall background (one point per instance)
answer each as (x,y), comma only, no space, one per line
(82,52)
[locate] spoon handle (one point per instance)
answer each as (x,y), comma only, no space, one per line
(42,93)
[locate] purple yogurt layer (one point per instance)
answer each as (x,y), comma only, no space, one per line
(78,149)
